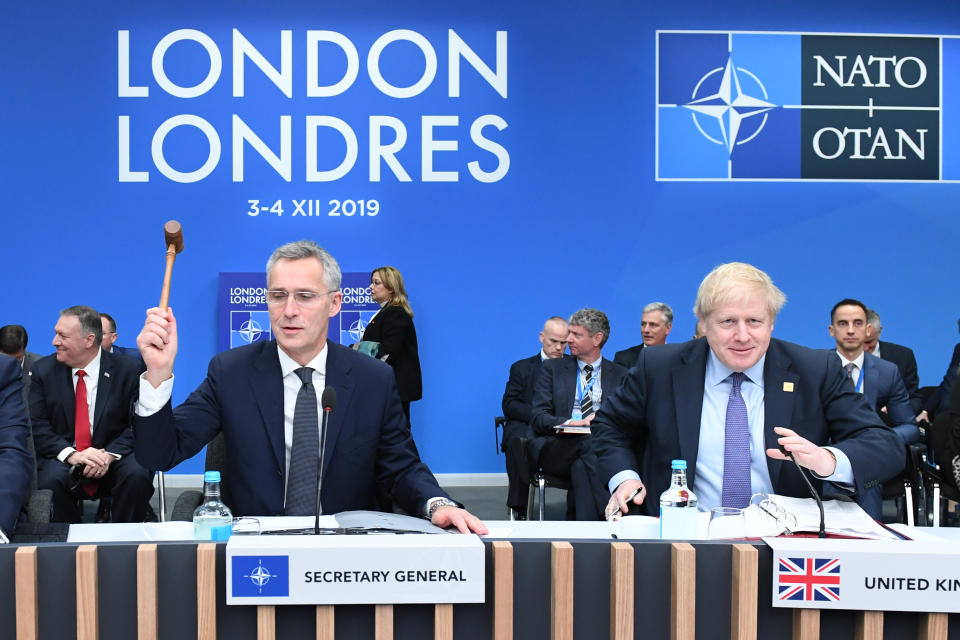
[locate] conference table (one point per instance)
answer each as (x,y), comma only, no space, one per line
(543,580)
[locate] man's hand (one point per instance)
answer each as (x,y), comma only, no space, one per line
(95,462)
(463,520)
(158,345)
(804,452)
(620,495)
(922,416)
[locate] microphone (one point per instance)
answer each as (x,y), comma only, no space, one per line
(328,401)
(813,492)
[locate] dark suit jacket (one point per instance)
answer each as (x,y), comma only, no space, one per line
(52,400)
(554,393)
(394,330)
(883,387)
(517,400)
(907,365)
(16,464)
(130,352)
(242,396)
(939,400)
(661,400)
(628,357)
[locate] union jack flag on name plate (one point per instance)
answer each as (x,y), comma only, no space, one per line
(809,579)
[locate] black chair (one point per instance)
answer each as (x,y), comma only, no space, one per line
(939,484)
(189,500)
(530,474)
(499,422)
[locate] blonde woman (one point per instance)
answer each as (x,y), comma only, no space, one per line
(392,327)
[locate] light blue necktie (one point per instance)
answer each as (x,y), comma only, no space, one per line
(736,449)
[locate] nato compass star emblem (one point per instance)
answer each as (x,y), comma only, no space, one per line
(356,329)
(260,576)
(731,106)
(250,331)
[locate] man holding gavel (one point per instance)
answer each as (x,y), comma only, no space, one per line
(263,398)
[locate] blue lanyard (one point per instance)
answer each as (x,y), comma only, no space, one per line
(857,387)
(583,389)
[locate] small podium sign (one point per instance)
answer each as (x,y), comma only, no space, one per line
(866,575)
(355,569)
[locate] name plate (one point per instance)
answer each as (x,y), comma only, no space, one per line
(867,575)
(355,569)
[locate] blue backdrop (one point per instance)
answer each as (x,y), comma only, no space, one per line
(549,201)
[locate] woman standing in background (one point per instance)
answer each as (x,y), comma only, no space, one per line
(392,326)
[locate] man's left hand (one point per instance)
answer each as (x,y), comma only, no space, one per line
(804,452)
(462,519)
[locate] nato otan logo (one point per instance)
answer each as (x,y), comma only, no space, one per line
(789,106)
(261,576)
(247,327)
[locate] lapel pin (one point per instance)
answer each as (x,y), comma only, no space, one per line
(788,387)
(106,374)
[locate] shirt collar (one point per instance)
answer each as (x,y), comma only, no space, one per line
(288,365)
(543,356)
(92,370)
(717,372)
(858,362)
(596,364)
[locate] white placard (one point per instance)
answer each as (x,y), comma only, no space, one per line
(355,569)
(866,575)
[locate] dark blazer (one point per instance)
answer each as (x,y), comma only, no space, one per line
(939,400)
(16,464)
(130,352)
(517,400)
(52,399)
(394,330)
(242,396)
(554,393)
(661,400)
(628,357)
(907,365)
(883,387)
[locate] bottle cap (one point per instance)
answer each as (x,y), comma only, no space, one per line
(678,464)
(211,476)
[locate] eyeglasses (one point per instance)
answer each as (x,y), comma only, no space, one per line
(302,298)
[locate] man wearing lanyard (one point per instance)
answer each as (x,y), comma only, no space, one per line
(877,380)
(568,392)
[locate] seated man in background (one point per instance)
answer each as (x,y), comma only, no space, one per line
(80,412)
(897,354)
(518,400)
(726,402)
(13,342)
(109,342)
(568,391)
(878,380)
(265,397)
(655,325)
(16,465)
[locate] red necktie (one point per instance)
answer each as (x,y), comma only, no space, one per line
(82,425)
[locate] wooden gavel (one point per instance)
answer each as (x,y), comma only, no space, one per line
(173,234)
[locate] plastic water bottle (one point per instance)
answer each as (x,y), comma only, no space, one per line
(212,520)
(678,506)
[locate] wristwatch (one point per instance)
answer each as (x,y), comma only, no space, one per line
(436,504)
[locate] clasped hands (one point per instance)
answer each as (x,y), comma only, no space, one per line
(96,462)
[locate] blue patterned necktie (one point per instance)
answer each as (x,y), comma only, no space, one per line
(736,449)
(305,450)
